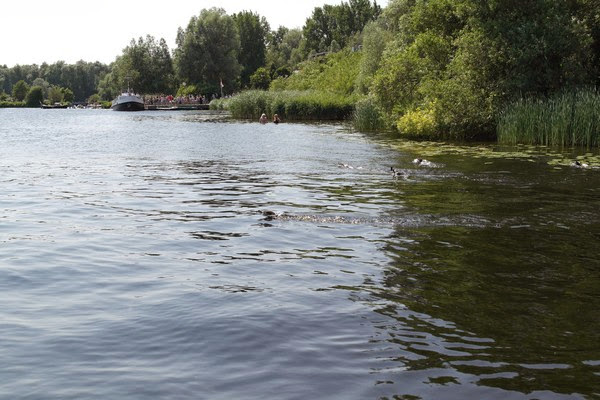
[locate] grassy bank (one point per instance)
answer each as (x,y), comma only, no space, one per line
(289,104)
(571,118)
(12,104)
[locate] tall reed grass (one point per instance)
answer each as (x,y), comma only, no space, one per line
(288,104)
(368,116)
(570,118)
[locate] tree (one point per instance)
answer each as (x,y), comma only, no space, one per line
(207,52)
(261,79)
(253,31)
(287,48)
(35,96)
(43,84)
(145,66)
(20,90)
(375,39)
(338,23)
(55,95)
(68,95)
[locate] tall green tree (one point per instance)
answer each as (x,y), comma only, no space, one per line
(253,31)
(338,22)
(20,90)
(35,96)
(286,48)
(207,52)
(145,66)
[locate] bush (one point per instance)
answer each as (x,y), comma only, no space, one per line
(94,99)
(419,123)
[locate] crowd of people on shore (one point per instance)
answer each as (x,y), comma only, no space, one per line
(170,99)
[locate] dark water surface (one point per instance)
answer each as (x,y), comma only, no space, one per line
(173,256)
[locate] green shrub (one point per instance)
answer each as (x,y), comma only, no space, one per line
(419,123)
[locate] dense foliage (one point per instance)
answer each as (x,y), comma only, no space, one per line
(452,66)
(207,52)
(338,23)
(336,73)
(145,66)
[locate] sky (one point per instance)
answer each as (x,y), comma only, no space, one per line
(37,31)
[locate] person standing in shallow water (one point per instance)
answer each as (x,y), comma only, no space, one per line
(263,119)
(276,119)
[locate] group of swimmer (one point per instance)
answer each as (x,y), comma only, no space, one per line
(263,119)
(417,161)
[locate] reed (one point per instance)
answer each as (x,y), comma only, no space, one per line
(368,116)
(290,105)
(569,118)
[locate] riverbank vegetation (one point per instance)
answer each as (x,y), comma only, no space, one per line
(40,93)
(435,69)
(568,118)
(288,104)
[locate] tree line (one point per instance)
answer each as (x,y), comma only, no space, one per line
(214,51)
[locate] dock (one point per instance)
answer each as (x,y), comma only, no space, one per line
(176,107)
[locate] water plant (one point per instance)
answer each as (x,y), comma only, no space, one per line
(569,118)
(368,116)
(290,105)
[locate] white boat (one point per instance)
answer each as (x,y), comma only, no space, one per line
(128,101)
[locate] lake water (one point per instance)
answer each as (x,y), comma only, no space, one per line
(181,256)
